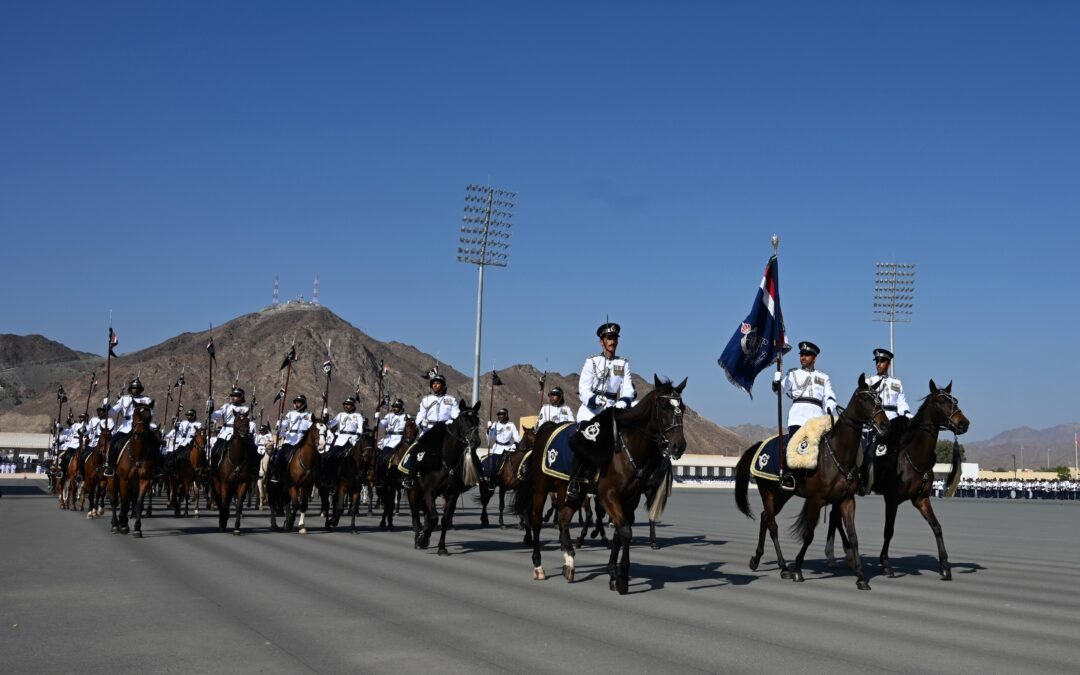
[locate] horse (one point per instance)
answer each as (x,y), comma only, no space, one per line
(93,486)
(638,440)
(260,485)
(69,476)
(444,457)
(505,479)
(391,483)
(134,475)
(906,472)
(232,475)
(834,481)
(293,490)
(351,477)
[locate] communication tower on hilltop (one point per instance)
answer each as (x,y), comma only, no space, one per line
(315,292)
(277,292)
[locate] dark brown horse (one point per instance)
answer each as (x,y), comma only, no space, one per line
(444,468)
(200,469)
(353,471)
(93,486)
(232,477)
(505,479)
(292,492)
(834,481)
(906,472)
(69,478)
(134,476)
(638,440)
(388,491)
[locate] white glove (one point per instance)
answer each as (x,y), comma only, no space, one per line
(491,424)
(325,411)
(620,404)
(105,401)
(777,376)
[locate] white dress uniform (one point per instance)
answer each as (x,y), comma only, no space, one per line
(434,409)
(96,425)
(294,425)
(170,442)
(65,439)
(893,400)
(125,405)
(604,383)
(812,393)
(348,426)
(554,413)
(393,426)
(263,443)
(226,414)
(502,437)
(74,433)
(185,433)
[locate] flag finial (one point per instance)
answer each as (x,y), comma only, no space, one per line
(775,244)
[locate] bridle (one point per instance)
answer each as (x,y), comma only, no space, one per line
(660,438)
(877,407)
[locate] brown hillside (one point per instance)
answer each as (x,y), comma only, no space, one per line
(31,366)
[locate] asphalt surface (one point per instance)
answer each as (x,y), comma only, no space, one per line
(186,599)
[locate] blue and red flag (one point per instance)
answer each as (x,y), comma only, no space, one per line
(758,340)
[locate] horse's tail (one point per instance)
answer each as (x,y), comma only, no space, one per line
(742,481)
(954,473)
(470,474)
(523,495)
(659,500)
(804,524)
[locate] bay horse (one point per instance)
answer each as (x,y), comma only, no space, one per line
(835,481)
(69,476)
(638,440)
(505,479)
(292,492)
(388,492)
(93,486)
(232,477)
(353,475)
(444,467)
(906,472)
(134,477)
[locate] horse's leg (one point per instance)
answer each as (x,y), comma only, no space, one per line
(225,493)
(536,521)
(652,535)
(584,525)
(431,517)
(502,506)
(485,497)
(243,490)
(924,507)
(448,520)
(847,507)
(356,506)
(622,581)
(415,508)
(890,522)
(565,520)
(144,487)
(830,536)
(304,496)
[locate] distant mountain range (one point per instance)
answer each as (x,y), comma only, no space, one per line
(32,366)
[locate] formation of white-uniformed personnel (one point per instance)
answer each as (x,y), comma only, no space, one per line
(809,388)
(183,437)
(604,383)
(347,425)
(264,440)
(393,428)
(98,424)
(125,407)
(438,406)
(226,417)
(292,429)
(893,402)
(555,410)
(503,438)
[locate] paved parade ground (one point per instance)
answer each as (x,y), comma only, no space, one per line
(186,599)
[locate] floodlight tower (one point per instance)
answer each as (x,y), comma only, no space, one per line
(894,297)
(485,240)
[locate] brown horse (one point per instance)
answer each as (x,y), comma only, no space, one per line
(134,475)
(444,457)
(834,481)
(388,491)
(93,486)
(231,478)
(352,476)
(906,472)
(505,479)
(69,477)
(637,440)
(292,492)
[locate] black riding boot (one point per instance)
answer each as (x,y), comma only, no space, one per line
(575,489)
(110,462)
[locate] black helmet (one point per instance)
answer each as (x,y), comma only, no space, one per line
(102,409)
(438,378)
(190,413)
(398,403)
(264,429)
(503,411)
(556,391)
(82,416)
(300,398)
(237,391)
(136,384)
(349,401)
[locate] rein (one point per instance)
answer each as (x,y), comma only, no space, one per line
(661,439)
(849,419)
(932,429)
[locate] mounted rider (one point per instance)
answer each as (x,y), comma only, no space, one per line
(393,426)
(79,431)
(503,438)
(555,410)
(604,383)
(292,428)
(125,406)
(893,402)
(349,425)
(97,424)
(809,388)
(436,407)
(226,416)
(184,434)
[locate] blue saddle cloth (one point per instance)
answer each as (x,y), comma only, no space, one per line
(766,462)
(489,465)
(558,457)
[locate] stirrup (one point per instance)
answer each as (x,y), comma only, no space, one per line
(110,471)
(787,481)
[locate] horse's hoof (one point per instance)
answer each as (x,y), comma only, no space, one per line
(623,587)
(946,574)
(568,573)
(538,574)
(196,514)
(89,516)
(831,564)
(654,546)
(786,574)
(754,563)
(115,530)
(221,528)
(444,552)
(611,584)
(862,585)
(303,530)
(236,532)
(137,534)
(124,529)
(274,527)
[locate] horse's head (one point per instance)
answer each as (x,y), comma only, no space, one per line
(528,439)
(141,416)
(466,427)
(242,424)
(946,410)
(865,407)
(668,414)
(410,433)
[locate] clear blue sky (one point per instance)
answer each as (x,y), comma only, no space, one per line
(165,160)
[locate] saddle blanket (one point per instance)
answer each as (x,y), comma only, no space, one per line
(558,457)
(492,463)
(766,462)
(407,459)
(802,450)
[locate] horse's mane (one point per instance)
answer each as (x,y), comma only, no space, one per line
(906,429)
(640,413)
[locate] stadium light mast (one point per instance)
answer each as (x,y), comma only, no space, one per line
(485,240)
(894,297)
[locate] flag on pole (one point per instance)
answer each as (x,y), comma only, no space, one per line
(280,395)
(759,338)
(289,358)
(327,366)
(210,349)
(496,381)
(113,341)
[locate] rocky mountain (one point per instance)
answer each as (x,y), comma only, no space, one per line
(1033,444)
(31,366)
(251,348)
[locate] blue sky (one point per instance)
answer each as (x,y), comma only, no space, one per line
(165,160)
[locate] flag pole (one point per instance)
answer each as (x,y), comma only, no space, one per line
(491,397)
(779,338)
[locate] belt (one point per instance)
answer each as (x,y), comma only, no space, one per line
(889,407)
(815,401)
(394,433)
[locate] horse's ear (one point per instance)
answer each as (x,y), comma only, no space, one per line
(682,385)
(656,381)
(948,387)
(933,387)
(862,381)
(476,407)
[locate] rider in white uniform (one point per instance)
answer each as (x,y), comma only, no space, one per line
(503,438)
(555,410)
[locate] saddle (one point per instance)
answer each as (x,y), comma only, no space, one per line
(802,449)
(558,456)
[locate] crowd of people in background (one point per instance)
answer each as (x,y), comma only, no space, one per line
(1013,488)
